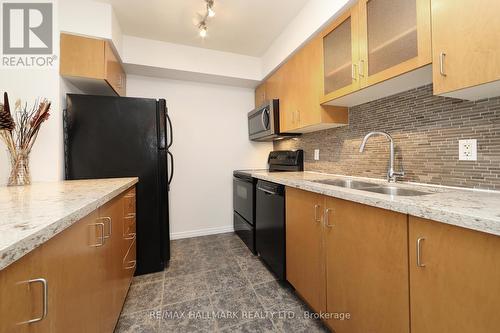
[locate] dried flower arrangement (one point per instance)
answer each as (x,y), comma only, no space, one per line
(19,132)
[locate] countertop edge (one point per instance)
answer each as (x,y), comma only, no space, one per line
(459,220)
(24,246)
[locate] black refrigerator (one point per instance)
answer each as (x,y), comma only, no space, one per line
(110,137)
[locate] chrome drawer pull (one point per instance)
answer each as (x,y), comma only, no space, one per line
(419,252)
(327,218)
(101,238)
(110,221)
(316,214)
(45,300)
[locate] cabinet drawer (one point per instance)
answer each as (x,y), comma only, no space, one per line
(129,203)
(129,226)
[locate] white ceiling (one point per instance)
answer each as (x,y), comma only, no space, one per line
(240,26)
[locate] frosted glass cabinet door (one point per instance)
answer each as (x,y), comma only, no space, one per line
(392,33)
(340,56)
(396,38)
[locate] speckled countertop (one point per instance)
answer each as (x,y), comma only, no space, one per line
(31,215)
(472,209)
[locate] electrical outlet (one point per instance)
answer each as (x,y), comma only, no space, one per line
(316,154)
(467,150)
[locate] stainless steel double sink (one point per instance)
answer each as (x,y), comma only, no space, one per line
(370,187)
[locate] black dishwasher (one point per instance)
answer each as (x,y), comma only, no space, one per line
(270,226)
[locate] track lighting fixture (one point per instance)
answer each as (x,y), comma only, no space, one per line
(202,26)
(203,29)
(210,8)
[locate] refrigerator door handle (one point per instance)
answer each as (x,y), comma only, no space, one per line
(172,168)
(169,121)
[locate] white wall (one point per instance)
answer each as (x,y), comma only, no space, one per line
(28,84)
(210,141)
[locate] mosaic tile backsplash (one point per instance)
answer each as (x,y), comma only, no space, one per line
(426,130)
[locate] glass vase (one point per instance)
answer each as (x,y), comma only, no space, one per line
(20,170)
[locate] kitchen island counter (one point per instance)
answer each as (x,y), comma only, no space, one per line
(31,215)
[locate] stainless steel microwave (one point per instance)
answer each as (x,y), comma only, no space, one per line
(264,122)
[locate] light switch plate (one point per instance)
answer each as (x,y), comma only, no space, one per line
(316,154)
(467,150)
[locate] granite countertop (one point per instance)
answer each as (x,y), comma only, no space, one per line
(472,209)
(31,215)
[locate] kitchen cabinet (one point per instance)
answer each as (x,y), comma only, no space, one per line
(298,85)
(341,55)
(260,94)
(454,278)
(72,264)
(305,264)
(466,48)
(349,259)
(91,65)
(366,267)
(372,42)
(87,267)
(21,300)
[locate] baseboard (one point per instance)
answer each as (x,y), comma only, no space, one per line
(201,232)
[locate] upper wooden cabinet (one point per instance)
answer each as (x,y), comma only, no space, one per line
(341,55)
(454,279)
(466,48)
(91,65)
(298,85)
(372,42)
(260,94)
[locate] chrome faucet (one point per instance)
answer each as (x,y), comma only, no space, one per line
(391,174)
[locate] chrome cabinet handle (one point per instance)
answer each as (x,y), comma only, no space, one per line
(45,300)
(327,218)
(128,235)
(101,226)
(353,71)
(362,68)
(419,252)
(316,214)
(110,223)
(441,63)
(130,264)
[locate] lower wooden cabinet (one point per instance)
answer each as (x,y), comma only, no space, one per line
(375,270)
(305,264)
(454,279)
(348,259)
(366,268)
(85,270)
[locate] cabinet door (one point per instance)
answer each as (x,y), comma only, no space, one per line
(465,43)
(71,262)
(111,214)
(82,57)
(20,300)
(454,283)
(341,56)
(395,37)
(288,97)
(260,94)
(115,76)
(366,268)
(305,266)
